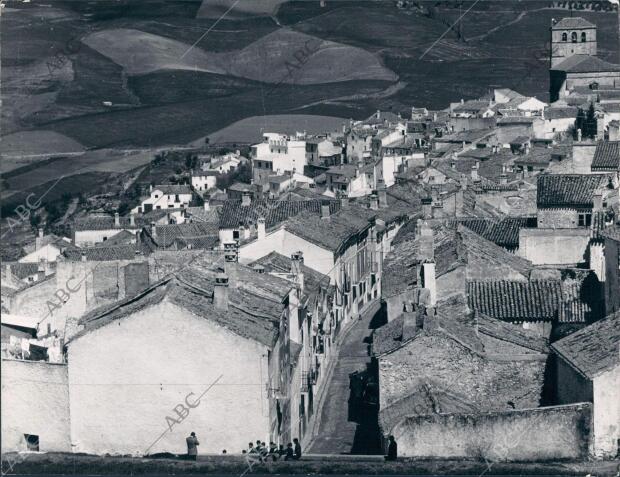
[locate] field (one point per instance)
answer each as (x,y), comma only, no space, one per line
(27,147)
(369,56)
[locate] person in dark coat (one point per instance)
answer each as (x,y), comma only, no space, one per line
(392,453)
(289,455)
(192,449)
(297,449)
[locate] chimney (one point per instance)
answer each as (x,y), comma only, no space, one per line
(230,264)
(297,260)
(40,232)
(428,280)
(378,113)
(41,269)
(206,205)
(579,135)
(9,272)
(344,201)
(151,188)
(437,210)
(383,203)
(220,292)
(39,239)
(374,201)
(430,322)
(132,220)
(246,199)
(325,210)
(597,201)
(83,256)
(153,230)
(259,269)
(434,117)
(427,207)
(474,172)
(614,131)
(117,220)
(410,321)
(260,228)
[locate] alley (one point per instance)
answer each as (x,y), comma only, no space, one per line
(345,425)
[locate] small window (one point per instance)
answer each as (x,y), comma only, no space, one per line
(235,234)
(573,37)
(564,36)
(32,442)
(583,37)
(105,238)
(584,220)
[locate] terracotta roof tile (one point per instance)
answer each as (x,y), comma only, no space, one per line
(568,190)
(593,349)
(607,156)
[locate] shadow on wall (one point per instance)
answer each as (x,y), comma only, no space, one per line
(364,410)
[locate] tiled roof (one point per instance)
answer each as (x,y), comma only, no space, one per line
(491,254)
(105,222)
(202,215)
(277,263)
(124,237)
(560,112)
(567,190)
(572,23)
(254,308)
(585,64)
(512,334)
(241,187)
(275,212)
(503,232)
(472,106)
(102,253)
(331,233)
(593,349)
(612,233)
(536,300)
(23,270)
(607,156)
(187,235)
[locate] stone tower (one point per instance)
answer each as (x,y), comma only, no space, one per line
(571,36)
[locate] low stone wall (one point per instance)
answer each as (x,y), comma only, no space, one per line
(557,432)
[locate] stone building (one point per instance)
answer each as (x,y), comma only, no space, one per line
(588,369)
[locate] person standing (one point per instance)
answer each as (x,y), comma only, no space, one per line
(297,450)
(392,453)
(192,446)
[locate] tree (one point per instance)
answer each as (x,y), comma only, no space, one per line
(590,126)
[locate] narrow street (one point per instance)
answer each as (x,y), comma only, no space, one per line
(347,426)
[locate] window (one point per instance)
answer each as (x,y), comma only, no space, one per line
(564,36)
(32,442)
(235,234)
(105,238)
(583,37)
(573,37)
(584,220)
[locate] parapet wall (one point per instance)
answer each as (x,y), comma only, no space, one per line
(557,432)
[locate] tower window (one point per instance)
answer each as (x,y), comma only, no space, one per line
(573,37)
(583,37)
(564,36)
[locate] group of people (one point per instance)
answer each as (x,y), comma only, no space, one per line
(262,452)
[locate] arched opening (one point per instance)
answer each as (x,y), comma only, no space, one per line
(564,36)
(573,37)
(583,37)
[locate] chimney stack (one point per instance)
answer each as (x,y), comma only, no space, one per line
(597,201)
(261,228)
(246,199)
(579,135)
(9,272)
(206,205)
(259,269)
(40,232)
(83,256)
(382,192)
(132,220)
(474,172)
(220,292)
(374,201)
(117,220)
(297,260)
(41,269)
(410,321)
(231,256)
(430,323)
(427,207)
(428,280)
(153,230)
(325,210)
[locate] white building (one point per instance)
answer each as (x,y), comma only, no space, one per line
(203,181)
(166,196)
(279,153)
